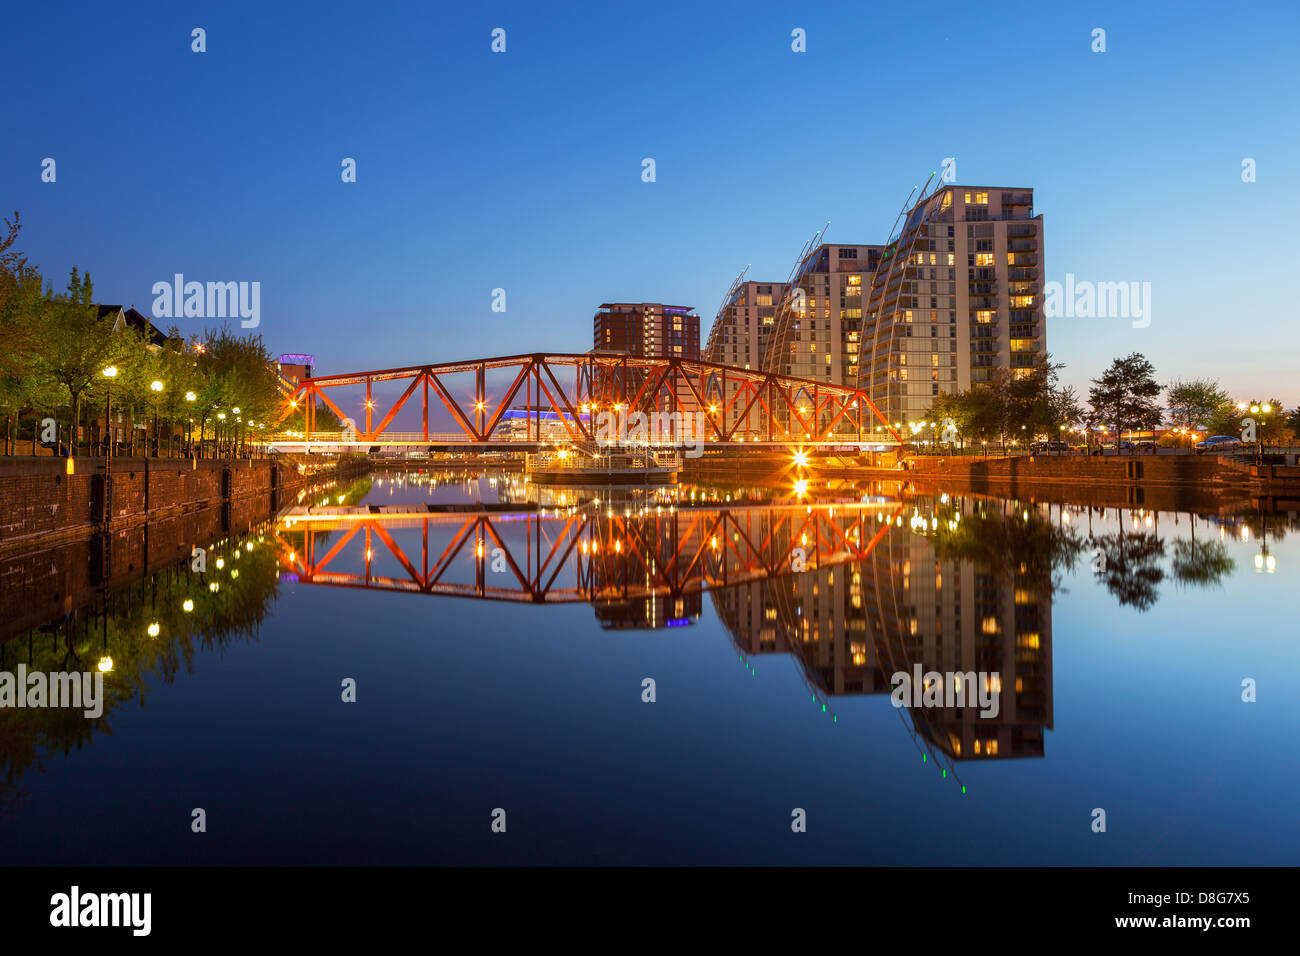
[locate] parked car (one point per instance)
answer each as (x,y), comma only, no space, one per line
(1217,443)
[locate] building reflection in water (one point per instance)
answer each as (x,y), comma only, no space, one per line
(956,587)
(857,588)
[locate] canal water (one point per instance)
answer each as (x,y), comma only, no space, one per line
(688,676)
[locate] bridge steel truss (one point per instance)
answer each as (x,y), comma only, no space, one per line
(576,554)
(737,405)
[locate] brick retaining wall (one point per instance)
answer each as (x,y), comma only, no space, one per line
(39,500)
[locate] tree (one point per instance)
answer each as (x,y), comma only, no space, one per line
(1033,398)
(75,344)
(1125,395)
(1065,404)
(1194,404)
(232,372)
(20,300)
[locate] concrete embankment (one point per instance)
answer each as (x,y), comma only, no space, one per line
(41,503)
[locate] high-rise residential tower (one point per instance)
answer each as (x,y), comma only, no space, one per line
(957,297)
(818,332)
(647,329)
(744,325)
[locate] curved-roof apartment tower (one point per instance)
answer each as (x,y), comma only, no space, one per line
(958,294)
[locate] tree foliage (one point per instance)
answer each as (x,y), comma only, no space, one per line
(1125,395)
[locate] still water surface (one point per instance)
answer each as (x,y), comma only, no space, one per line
(499,656)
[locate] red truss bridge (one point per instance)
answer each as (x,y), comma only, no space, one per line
(545,398)
(577,554)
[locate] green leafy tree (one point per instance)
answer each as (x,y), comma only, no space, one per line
(73,344)
(1194,404)
(21,299)
(1125,395)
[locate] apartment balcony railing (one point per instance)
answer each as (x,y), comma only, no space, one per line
(1022,245)
(1021,231)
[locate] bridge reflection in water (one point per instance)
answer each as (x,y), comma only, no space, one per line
(954,585)
(856,591)
(590,553)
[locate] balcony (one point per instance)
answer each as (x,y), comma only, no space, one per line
(1017,199)
(1022,245)
(1022,231)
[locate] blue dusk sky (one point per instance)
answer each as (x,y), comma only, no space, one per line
(522,170)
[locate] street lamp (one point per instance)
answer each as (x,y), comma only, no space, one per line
(109,373)
(1261,409)
(189,426)
(156,387)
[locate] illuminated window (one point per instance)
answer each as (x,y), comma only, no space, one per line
(984,259)
(1027,640)
(989,625)
(984,316)
(947,200)
(952,259)
(1022,301)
